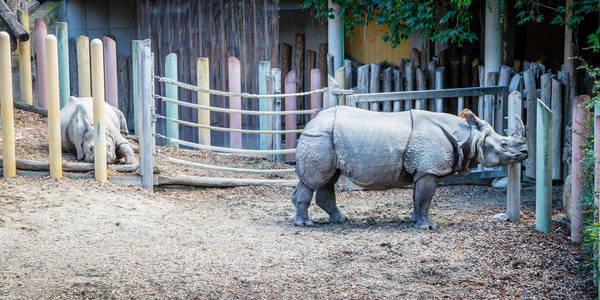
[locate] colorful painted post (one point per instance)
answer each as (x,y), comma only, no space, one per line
(110,72)
(513,171)
(264,68)
(135,45)
(276,85)
(53,98)
(25,62)
(543,182)
(290,105)
(580,134)
(83,66)
(171,91)
(203,99)
(557,119)
(6,104)
(62,34)
(235,85)
(340,78)
(40,35)
(316,100)
(98,95)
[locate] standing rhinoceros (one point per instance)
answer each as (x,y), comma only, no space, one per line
(387,150)
(77,131)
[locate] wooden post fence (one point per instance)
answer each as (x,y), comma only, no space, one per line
(235,119)
(203,80)
(25,62)
(83,67)
(513,172)
(290,120)
(6,104)
(363,83)
(146,83)
(580,134)
(439,84)
(543,182)
(98,95)
(135,84)
(557,120)
(264,69)
(110,71)
(531,94)
(62,35)
(340,78)
(40,35)
(316,100)
(410,83)
(276,89)
(171,91)
(374,85)
(53,98)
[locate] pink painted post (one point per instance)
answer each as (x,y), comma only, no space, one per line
(579,136)
(290,105)
(316,100)
(110,72)
(235,85)
(40,54)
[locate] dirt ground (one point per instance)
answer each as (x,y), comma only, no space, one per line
(82,239)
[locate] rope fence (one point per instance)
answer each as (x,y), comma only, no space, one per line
(216,128)
(229,169)
(226,149)
(235,111)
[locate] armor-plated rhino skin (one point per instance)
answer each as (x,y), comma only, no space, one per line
(77,131)
(378,150)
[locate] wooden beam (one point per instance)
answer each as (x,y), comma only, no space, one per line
(13,23)
(222,182)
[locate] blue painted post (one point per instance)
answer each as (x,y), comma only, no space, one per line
(135,45)
(264,69)
(62,34)
(171,92)
(543,183)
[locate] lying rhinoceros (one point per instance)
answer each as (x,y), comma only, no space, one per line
(77,131)
(387,150)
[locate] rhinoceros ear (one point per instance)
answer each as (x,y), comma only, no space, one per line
(470,117)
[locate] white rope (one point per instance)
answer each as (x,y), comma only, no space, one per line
(221,168)
(225,149)
(236,111)
(228,129)
(234,94)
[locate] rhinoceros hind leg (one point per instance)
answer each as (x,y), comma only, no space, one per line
(325,199)
(422,194)
(301,198)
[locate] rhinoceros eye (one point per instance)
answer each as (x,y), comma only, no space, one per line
(504,146)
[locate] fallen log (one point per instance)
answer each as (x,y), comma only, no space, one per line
(32,165)
(31,108)
(222,182)
(126,180)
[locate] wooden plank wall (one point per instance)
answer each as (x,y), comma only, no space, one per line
(215,29)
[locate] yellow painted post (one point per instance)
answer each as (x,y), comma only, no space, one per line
(98,94)
(25,62)
(83,66)
(53,101)
(203,99)
(340,77)
(6,102)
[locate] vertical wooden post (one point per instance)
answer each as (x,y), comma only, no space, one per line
(493,37)
(546,91)
(316,100)
(286,58)
(543,182)
(62,34)
(335,35)
(513,172)
(99,127)
(290,105)
(461,105)
(40,35)
(299,68)
(83,67)
(491,79)
(25,62)
(439,85)
(52,88)
(579,136)
(203,80)
(531,94)
(374,85)
(110,71)
(146,90)
(557,120)
(420,103)
(340,78)
(387,87)
(264,69)
(276,85)
(6,104)
(171,91)
(321,63)
(235,120)
(348,80)
(480,100)
(135,59)
(410,86)
(431,84)
(397,87)
(363,83)
(503,80)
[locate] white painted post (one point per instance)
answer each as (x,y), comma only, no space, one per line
(264,67)
(276,85)
(147,107)
(513,172)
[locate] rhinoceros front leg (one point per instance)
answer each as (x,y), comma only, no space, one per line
(301,198)
(422,194)
(325,199)
(125,150)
